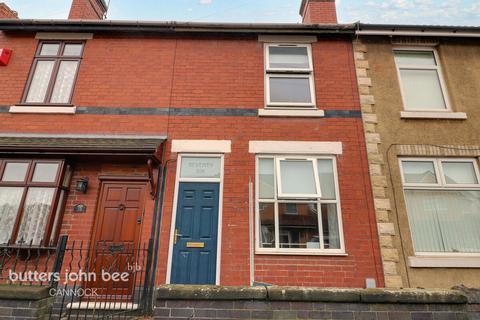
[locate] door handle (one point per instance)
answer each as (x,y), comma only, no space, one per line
(175,236)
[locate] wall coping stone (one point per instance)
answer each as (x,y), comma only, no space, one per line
(472,294)
(15,292)
(313,294)
(201,292)
(306,294)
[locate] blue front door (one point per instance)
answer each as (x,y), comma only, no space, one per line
(194,258)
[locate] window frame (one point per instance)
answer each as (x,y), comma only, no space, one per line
(317,201)
(441,185)
(307,73)
(278,172)
(57,208)
(420,185)
(437,68)
(57,59)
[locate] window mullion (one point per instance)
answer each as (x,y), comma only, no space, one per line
(277,227)
(320,225)
(53,80)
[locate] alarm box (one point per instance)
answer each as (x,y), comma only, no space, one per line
(5,55)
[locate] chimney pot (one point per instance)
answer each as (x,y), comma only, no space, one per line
(88,10)
(6,12)
(318,12)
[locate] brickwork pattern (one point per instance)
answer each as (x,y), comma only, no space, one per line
(6,12)
(189,309)
(210,72)
(25,309)
(87,10)
(320,11)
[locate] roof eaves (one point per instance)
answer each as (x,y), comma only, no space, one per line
(419,29)
(173,26)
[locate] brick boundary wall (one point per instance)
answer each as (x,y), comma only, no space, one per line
(213,302)
(24,302)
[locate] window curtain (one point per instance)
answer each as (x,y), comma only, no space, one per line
(41,78)
(35,215)
(64,82)
(10,198)
(444,221)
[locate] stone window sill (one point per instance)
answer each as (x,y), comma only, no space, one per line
(300,253)
(433,115)
(291,113)
(42,109)
(444,261)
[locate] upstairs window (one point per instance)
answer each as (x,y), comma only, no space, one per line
(298,207)
(443,204)
(421,80)
(53,74)
(32,193)
(289,76)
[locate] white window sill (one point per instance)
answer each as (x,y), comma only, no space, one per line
(291,113)
(444,261)
(301,253)
(433,115)
(43,109)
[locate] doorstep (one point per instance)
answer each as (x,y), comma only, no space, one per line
(103,305)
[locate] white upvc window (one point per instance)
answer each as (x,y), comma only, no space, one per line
(298,205)
(297,178)
(421,81)
(289,81)
(443,204)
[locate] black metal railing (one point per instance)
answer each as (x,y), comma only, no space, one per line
(100,280)
(27,264)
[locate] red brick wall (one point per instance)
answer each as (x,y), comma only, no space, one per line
(79,226)
(320,11)
(86,10)
(209,72)
(6,12)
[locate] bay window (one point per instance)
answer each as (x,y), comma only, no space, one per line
(297,205)
(443,204)
(289,76)
(32,193)
(53,74)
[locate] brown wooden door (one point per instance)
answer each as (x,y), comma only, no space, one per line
(116,239)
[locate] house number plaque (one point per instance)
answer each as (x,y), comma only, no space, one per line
(80,208)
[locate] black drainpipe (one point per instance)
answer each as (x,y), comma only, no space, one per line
(155,232)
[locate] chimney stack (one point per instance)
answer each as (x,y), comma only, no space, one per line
(318,12)
(6,12)
(88,10)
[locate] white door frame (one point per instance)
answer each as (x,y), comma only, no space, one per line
(178,179)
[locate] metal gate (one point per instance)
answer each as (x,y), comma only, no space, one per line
(108,281)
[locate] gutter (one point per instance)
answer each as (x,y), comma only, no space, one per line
(417,33)
(417,30)
(172,27)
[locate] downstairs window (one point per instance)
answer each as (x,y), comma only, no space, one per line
(32,193)
(443,204)
(298,207)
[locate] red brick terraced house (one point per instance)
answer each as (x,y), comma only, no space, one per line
(237,150)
